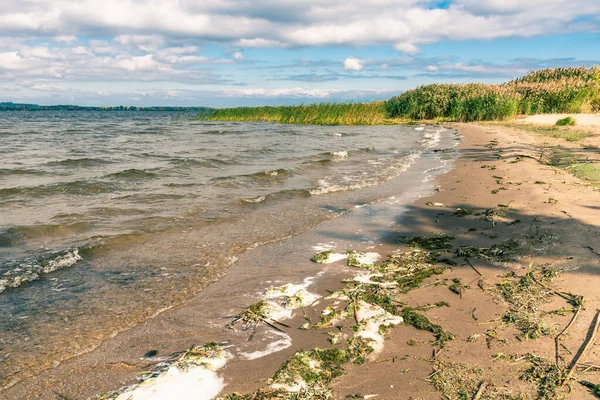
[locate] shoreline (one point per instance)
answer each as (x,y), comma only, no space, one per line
(462,188)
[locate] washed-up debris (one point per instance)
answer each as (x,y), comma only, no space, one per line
(524,298)
(328,257)
(441,242)
(421,322)
(548,377)
(495,253)
(358,258)
(496,214)
(462,212)
(432,204)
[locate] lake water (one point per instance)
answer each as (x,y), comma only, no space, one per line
(109,218)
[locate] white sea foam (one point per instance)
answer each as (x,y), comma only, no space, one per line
(371,317)
(282,342)
(254,200)
(324,186)
(367,258)
(367,279)
(182,380)
(340,154)
(28,272)
(323,247)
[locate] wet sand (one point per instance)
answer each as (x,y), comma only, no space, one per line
(559,220)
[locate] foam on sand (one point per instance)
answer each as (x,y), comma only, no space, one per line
(371,318)
(192,376)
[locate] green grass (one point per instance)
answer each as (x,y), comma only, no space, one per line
(557,132)
(323,114)
(589,171)
(569,121)
(559,90)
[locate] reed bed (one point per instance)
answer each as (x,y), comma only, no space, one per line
(324,114)
(559,90)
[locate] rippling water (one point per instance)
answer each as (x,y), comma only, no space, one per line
(106,218)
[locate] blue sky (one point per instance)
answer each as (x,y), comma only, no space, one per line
(251,52)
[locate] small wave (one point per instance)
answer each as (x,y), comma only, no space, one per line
(32,270)
(254,200)
(79,162)
(19,171)
(280,195)
(206,163)
(432,139)
(278,173)
(325,187)
(82,187)
(339,154)
(14,235)
(132,173)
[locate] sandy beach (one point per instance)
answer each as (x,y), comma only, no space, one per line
(497,193)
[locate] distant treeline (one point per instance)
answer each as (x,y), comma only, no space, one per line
(36,107)
(560,90)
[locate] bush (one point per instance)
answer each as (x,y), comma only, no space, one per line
(468,102)
(569,121)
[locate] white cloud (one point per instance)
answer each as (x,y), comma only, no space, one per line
(258,42)
(143,63)
(269,23)
(407,48)
(353,64)
(68,39)
(146,43)
(238,55)
(48,88)
(11,60)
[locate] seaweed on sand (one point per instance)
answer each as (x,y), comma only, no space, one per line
(525,297)
(547,376)
(455,380)
(456,286)
(494,253)
(256,314)
(307,374)
(409,269)
(421,322)
(459,381)
(429,243)
(461,212)
(496,213)
(321,257)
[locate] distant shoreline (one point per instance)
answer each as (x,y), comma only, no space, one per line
(9,106)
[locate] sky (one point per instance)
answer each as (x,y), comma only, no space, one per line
(265,52)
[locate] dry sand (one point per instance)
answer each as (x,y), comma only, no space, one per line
(550,119)
(558,225)
(555,209)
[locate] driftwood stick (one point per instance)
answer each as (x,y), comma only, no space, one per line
(277,322)
(586,348)
(557,338)
(480,391)
(566,296)
(588,366)
(273,326)
(471,265)
(356,310)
